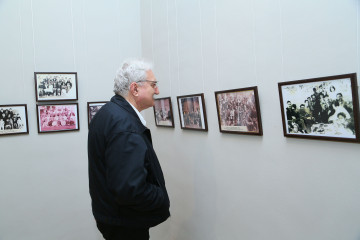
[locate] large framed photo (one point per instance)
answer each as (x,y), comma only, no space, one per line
(13,119)
(93,108)
(239,111)
(58,117)
(323,108)
(56,86)
(192,112)
(163,112)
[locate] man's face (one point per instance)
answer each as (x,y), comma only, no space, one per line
(289,104)
(147,90)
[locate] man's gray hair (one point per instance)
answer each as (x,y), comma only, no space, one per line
(132,70)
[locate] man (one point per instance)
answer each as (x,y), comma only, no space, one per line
(290,111)
(127,186)
(306,118)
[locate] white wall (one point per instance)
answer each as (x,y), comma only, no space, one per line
(43,178)
(222,186)
(225,186)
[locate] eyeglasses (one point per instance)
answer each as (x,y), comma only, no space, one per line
(154,84)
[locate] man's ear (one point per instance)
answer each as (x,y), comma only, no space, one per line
(134,89)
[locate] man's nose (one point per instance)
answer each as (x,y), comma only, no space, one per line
(157,91)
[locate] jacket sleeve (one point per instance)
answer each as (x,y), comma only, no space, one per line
(126,173)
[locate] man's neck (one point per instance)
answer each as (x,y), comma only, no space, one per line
(133,102)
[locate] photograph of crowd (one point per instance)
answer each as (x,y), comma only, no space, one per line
(239,111)
(56,86)
(192,112)
(321,107)
(57,117)
(163,112)
(93,108)
(13,119)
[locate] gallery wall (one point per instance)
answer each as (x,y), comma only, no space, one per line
(221,186)
(226,186)
(43,177)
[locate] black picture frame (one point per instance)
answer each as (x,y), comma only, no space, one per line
(53,118)
(238,111)
(324,108)
(192,112)
(13,119)
(93,108)
(56,86)
(163,113)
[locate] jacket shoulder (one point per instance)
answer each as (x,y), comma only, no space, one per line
(114,118)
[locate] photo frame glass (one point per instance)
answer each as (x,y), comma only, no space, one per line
(58,117)
(93,108)
(192,112)
(56,86)
(321,108)
(163,112)
(239,111)
(13,119)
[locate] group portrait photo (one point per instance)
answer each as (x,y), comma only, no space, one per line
(323,107)
(56,86)
(13,119)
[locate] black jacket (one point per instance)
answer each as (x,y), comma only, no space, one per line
(127,186)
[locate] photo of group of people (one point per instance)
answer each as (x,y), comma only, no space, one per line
(56,86)
(320,108)
(13,119)
(237,111)
(192,112)
(58,117)
(163,112)
(93,108)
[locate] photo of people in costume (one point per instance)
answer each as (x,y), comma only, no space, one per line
(237,111)
(13,119)
(57,117)
(163,112)
(192,112)
(321,108)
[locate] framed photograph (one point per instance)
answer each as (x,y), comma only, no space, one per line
(56,86)
(58,117)
(239,111)
(192,112)
(13,119)
(163,112)
(323,108)
(93,108)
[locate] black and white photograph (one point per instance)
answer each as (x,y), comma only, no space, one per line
(239,111)
(58,117)
(321,108)
(13,119)
(56,86)
(192,112)
(163,112)
(93,108)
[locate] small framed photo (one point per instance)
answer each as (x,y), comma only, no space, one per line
(93,108)
(239,111)
(163,112)
(192,112)
(323,108)
(13,119)
(58,117)
(56,86)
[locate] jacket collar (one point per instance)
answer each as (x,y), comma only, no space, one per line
(120,101)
